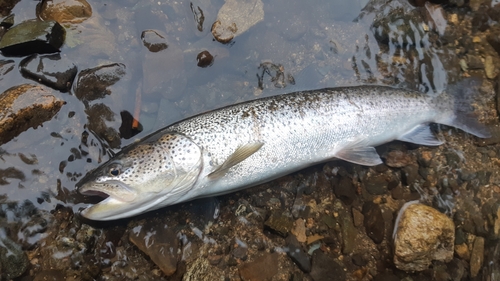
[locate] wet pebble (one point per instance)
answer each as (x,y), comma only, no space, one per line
(415,250)
(263,267)
(25,106)
(344,190)
(477,256)
(64,11)
(297,253)
(159,242)
(93,83)
(50,70)
(33,37)
(376,184)
(154,41)
(398,159)
(204,59)
(490,68)
(374,222)
(324,267)
(348,230)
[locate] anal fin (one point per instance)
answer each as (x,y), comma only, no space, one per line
(421,135)
(367,156)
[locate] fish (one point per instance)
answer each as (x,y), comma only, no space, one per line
(249,143)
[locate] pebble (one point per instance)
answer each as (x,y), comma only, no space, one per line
(374,222)
(489,67)
(159,242)
(462,250)
(348,231)
(205,59)
(33,37)
(51,70)
(344,190)
(263,267)
(358,217)
(25,106)
(300,230)
(477,256)
(153,40)
(376,184)
(434,240)
(398,159)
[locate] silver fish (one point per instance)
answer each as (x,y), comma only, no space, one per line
(249,143)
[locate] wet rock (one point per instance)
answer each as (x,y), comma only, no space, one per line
(201,269)
(398,159)
(64,11)
(386,276)
(6,6)
(358,217)
(261,268)
(154,41)
(240,253)
(324,268)
(205,59)
(13,260)
(494,39)
(376,184)
(415,250)
(409,174)
(160,243)
(348,231)
(462,250)
(477,256)
(236,17)
(279,223)
(474,62)
(344,190)
(50,70)
(297,253)
(33,37)
(50,275)
(25,106)
(93,83)
(374,222)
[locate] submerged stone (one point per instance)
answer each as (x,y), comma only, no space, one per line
(64,11)
(236,17)
(50,70)
(153,41)
(92,83)
(33,37)
(25,106)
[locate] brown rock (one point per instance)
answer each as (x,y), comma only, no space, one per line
(477,256)
(262,268)
(434,240)
(398,159)
(25,106)
(64,11)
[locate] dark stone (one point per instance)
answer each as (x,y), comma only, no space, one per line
(480,21)
(494,39)
(279,223)
(159,242)
(33,37)
(376,184)
(6,66)
(344,190)
(93,83)
(154,41)
(262,268)
(240,253)
(359,260)
(6,6)
(386,276)
(297,254)
(7,22)
(205,59)
(374,222)
(50,70)
(325,268)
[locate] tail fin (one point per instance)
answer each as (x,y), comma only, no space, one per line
(461,95)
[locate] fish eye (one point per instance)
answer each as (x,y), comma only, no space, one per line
(115,171)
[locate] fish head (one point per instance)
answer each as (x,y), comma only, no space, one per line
(151,174)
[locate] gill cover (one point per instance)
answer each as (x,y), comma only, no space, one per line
(148,175)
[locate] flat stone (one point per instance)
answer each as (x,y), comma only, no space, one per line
(261,268)
(325,268)
(33,37)
(236,17)
(51,70)
(434,240)
(153,40)
(349,232)
(160,243)
(477,256)
(376,184)
(299,230)
(279,223)
(25,106)
(64,11)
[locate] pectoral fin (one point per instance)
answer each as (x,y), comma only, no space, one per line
(240,154)
(367,156)
(421,135)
